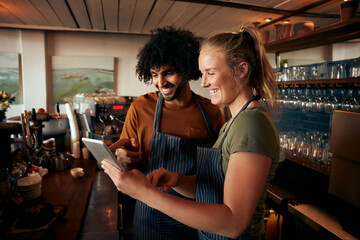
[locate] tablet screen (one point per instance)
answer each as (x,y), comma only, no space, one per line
(100,151)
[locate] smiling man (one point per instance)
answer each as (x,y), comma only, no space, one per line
(167,124)
(169,83)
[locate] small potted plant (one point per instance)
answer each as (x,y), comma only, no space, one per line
(5,101)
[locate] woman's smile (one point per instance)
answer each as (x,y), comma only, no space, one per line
(213,91)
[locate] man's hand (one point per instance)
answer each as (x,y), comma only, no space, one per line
(130,144)
(127,152)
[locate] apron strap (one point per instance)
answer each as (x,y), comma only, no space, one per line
(209,127)
(253,98)
(159,104)
(156,126)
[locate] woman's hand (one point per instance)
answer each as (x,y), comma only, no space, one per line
(132,183)
(163,178)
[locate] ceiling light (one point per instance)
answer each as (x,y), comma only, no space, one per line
(286,21)
(267,19)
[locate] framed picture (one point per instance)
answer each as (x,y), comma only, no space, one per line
(9,75)
(80,74)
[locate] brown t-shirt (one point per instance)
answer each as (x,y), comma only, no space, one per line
(186,121)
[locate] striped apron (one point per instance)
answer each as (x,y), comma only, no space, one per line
(210,180)
(176,154)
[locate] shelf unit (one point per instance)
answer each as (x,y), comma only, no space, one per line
(307,163)
(316,184)
(343,82)
(334,33)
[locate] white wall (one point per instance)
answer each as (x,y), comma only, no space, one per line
(31,47)
(307,56)
(37,47)
(334,52)
(346,50)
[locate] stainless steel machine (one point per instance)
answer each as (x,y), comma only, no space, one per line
(101,116)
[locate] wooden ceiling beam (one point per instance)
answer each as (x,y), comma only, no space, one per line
(298,12)
(301,12)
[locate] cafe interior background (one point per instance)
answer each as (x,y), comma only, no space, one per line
(302,39)
(38,30)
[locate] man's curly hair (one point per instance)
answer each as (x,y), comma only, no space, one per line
(176,47)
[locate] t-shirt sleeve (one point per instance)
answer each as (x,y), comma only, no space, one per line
(253,132)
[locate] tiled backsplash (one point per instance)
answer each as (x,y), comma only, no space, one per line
(298,121)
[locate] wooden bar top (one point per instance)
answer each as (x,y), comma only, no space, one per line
(60,188)
(69,196)
(320,220)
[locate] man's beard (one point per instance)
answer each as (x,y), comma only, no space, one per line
(177,92)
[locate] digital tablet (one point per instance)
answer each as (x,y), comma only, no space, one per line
(100,151)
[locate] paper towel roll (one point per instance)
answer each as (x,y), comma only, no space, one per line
(74,129)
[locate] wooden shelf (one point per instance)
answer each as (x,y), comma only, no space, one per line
(307,163)
(321,83)
(338,32)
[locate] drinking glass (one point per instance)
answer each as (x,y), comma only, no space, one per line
(355,68)
(337,71)
(315,72)
(302,74)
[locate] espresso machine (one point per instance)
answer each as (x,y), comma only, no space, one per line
(30,129)
(101,116)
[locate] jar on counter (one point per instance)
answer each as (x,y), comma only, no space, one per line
(67,159)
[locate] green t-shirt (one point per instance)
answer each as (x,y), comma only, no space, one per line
(253,130)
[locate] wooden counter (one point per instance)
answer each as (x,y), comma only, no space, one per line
(320,220)
(62,190)
(299,193)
